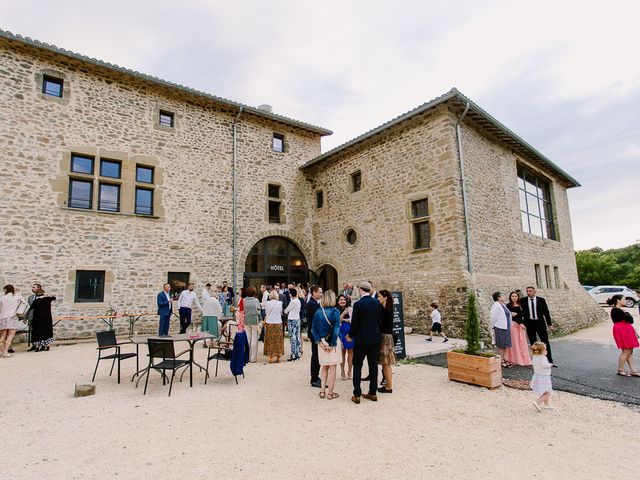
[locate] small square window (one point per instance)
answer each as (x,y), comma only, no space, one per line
(144,174)
(166,118)
(80,194)
(110,168)
(274,212)
(273,191)
(109,197)
(52,86)
(178,282)
(144,201)
(82,164)
(420,208)
(89,286)
(319,199)
(356,181)
(278,142)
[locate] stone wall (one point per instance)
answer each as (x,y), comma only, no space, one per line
(109,114)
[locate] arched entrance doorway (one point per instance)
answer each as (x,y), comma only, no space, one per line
(274,260)
(328,278)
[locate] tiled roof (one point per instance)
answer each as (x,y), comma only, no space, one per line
(475,114)
(158,81)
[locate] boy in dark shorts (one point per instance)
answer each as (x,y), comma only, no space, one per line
(436,324)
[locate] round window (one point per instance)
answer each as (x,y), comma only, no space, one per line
(351,236)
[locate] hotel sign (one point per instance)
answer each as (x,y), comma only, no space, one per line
(277,268)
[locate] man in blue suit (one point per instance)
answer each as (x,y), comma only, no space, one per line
(165,308)
(366,321)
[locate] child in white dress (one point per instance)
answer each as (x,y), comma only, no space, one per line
(541,380)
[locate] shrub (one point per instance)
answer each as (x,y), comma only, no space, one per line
(472,326)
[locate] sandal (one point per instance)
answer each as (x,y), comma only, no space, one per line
(321,394)
(634,373)
(622,373)
(343,376)
(331,396)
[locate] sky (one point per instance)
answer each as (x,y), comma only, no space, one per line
(563,75)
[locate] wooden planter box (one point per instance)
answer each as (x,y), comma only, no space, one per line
(475,370)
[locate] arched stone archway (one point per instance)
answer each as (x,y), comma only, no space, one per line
(274,259)
(328,277)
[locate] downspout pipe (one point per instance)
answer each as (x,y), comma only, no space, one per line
(234,209)
(463,182)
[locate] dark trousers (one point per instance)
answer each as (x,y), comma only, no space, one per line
(372,353)
(185,319)
(537,328)
(163,329)
(315,363)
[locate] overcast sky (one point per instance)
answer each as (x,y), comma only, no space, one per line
(563,75)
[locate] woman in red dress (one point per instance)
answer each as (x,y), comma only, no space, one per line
(624,334)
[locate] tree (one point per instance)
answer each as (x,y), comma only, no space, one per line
(596,268)
(472,326)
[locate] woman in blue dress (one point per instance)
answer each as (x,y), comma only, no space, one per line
(345,326)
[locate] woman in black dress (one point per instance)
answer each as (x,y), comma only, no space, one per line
(42,324)
(387,345)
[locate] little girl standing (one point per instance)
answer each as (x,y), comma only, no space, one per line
(541,380)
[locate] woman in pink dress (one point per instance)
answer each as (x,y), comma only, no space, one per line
(624,334)
(518,354)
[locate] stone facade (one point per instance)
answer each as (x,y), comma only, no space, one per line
(109,113)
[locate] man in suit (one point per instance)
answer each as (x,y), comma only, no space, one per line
(312,306)
(366,321)
(536,318)
(165,308)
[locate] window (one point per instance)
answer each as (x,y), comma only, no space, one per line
(535,205)
(277,143)
(538,273)
(273,191)
(319,199)
(556,275)
(109,197)
(420,228)
(274,212)
(82,164)
(89,286)
(144,201)
(351,236)
(110,168)
(52,86)
(356,181)
(178,282)
(166,118)
(80,194)
(144,174)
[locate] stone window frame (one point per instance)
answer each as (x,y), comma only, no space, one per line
(54,75)
(270,200)
(547,276)
(127,181)
(345,237)
(353,183)
(87,179)
(412,221)
(319,199)
(281,138)
(543,194)
(159,110)
(70,287)
(538,274)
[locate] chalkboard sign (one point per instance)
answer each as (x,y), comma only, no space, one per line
(398,325)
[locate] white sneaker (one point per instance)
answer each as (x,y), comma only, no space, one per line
(535,404)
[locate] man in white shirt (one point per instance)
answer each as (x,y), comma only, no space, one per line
(263,300)
(206,293)
(185,304)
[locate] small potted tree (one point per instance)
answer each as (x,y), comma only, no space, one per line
(472,365)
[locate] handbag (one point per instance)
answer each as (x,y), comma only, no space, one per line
(22,310)
(327,339)
(332,357)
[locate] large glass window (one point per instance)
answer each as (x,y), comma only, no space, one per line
(144,201)
(89,286)
(109,197)
(80,194)
(52,86)
(536,212)
(420,227)
(82,164)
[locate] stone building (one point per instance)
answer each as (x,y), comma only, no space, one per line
(115,182)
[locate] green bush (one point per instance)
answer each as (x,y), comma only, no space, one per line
(472,326)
